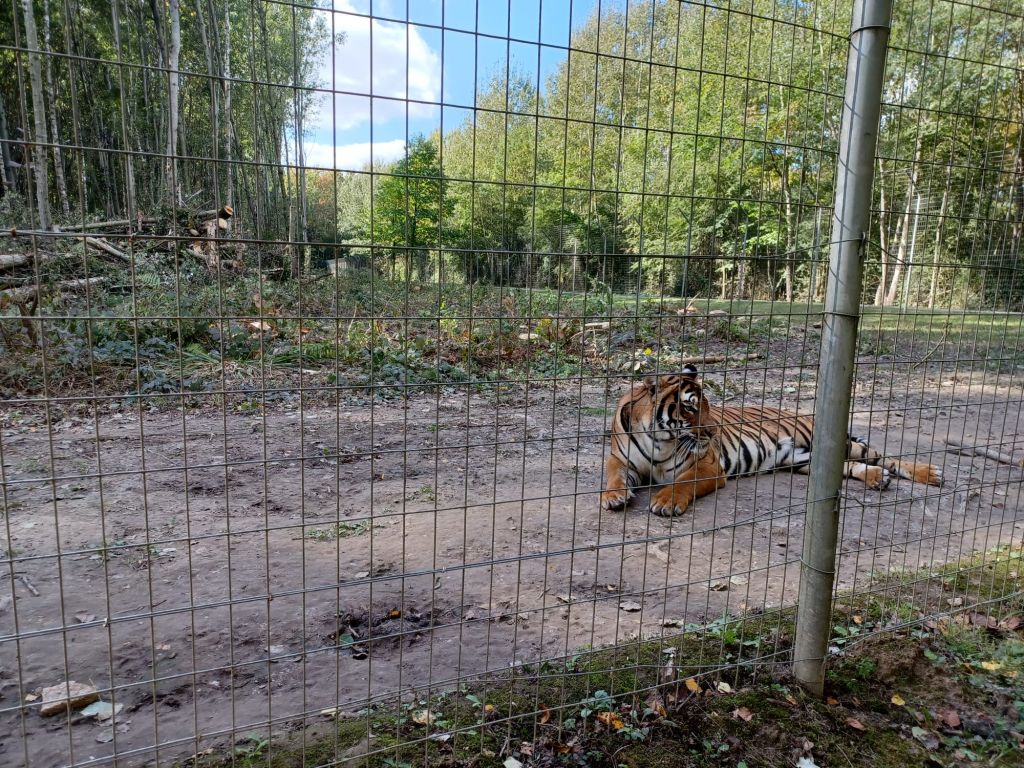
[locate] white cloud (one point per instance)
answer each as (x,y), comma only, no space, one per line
(402,65)
(351,157)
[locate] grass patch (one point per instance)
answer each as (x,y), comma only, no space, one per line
(909,683)
(344,530)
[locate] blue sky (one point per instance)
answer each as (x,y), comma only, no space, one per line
(413,56)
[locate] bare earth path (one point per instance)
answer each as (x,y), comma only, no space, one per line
(403,546)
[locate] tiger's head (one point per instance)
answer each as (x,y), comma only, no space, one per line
(681,408)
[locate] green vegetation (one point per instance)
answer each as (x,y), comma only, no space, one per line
(369,335)
(903,689)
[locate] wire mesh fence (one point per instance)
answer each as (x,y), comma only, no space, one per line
(315,322)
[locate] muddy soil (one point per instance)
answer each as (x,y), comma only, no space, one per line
(218,569)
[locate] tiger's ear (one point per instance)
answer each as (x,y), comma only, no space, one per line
(689,372)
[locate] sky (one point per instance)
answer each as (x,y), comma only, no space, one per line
(366,115)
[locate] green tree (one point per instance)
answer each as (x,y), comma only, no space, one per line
(410,203)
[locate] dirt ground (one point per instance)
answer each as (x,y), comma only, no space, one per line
(218,569)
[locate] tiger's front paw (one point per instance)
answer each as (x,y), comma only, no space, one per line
(617,499)
(877,478)
(669,502)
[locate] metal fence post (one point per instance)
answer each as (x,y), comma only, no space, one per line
(854,175)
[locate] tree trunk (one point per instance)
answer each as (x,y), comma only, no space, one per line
(790,255)
(58,156)
(6,166)
(883,237)
(933,289)
(812,287)
(901,252)
(39,117)
(228,119)
(211,73)
(131,208)
(171,181)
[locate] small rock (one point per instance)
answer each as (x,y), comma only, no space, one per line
(105,736)
(102,710)
(63,696)
(276,652)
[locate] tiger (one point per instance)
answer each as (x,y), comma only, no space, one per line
(665,431)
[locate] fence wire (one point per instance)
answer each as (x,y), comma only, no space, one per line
(315,318)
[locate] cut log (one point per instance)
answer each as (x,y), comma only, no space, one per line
(225,212)
(11,260)
(989,453)
(115,224)
(105,247)
(718,359)
(26,292)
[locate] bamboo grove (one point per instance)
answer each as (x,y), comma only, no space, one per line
(682,148)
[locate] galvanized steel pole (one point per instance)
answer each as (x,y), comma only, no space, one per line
(850,221)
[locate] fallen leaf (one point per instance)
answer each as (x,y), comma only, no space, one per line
(423,717)
(991,666)
(526,748)
(926,737)
(724,687)
(791,699)
(1012,623)
(656,704)
(858,619)
(981,620)
(394,614)
(950,718)
(855,724)
(807,745)
(832,701)
(611,719)
(743,714)
(84,618)
(631,606)
(545,714)
(898,700)
(692,685)
(30,697)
